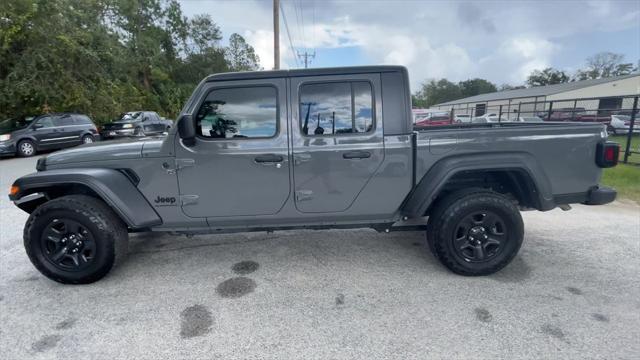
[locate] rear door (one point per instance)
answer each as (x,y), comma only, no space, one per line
(239,164)
(337,142)
(68,129)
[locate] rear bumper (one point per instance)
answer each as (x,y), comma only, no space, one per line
(105,134)
(600,195)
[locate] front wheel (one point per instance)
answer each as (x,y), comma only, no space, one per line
(475,232)
(139,131)
(26,148)
(75,239)
(611,130)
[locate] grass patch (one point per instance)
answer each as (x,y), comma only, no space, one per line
(635,146)
(625,179)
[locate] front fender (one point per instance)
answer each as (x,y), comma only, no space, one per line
(427,190)
(112,186)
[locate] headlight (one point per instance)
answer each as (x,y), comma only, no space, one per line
(5,137)
(127,126)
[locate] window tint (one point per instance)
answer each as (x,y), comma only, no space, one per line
(46,121)
(65,120)
(82,120)
(336,108)
(239,113)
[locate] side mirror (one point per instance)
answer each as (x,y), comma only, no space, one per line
(37,126)
(187,130)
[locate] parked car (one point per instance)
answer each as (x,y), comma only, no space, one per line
(489,118)
(620,124)
(578,114)
(136,123)
(532,119)
(246,158)
(27,136)
(462,119)
(431,117)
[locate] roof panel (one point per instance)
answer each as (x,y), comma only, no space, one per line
(536,90)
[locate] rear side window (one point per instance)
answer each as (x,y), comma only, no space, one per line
(64,120)
(336,108)
(82,120)
(237,113)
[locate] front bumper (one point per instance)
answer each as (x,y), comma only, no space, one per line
(8,148)
(600,195)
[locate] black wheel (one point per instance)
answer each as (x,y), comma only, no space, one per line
(26,148)
(138,132)
(475,232)
(611,130)
(87,139)
(75,239)
(167,129)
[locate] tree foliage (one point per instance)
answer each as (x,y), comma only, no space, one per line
(438,91)
(103,57)
(603,65)
(548,76)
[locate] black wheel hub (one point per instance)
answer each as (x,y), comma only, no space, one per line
(479,237)
(68,245)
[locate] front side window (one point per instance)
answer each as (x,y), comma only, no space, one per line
(232,113)
(336,108)
(45,122)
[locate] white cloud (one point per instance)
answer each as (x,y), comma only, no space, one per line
(499,41)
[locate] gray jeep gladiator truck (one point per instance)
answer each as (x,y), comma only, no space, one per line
(312,149)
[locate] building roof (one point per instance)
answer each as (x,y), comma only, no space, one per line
(536,90)
(305,72)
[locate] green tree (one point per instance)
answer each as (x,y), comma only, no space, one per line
(548,76)
(437,91)
(240,55)
(476,86)
(603,65)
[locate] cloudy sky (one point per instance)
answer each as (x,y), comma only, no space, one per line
(502,41)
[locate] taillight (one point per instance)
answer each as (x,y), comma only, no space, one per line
(607,154)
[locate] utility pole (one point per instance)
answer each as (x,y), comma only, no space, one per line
(276,34)
(306,56)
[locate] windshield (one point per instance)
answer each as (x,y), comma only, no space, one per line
(129,116)
(9,125)
(531,119)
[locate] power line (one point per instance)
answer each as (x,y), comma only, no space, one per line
(306,56)
(286,26)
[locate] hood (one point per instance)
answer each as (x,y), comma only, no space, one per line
(98,151)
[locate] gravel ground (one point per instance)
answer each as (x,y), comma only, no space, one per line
(573,292)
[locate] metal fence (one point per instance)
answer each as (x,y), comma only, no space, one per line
(619,114)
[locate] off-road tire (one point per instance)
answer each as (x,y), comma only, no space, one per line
(21,152)
(449,211)
(107,229)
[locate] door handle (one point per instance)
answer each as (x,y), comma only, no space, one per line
(269,158)
(356,155)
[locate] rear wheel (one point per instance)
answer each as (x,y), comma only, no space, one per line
(75,239)
(475,232)
(26,148)
(87,139)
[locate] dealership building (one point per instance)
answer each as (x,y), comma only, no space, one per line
(592,95)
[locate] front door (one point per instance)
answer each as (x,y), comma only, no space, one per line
(47,133)
(239,164)
(337,143)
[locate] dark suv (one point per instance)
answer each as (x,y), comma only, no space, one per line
(136,123)
(24,136)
